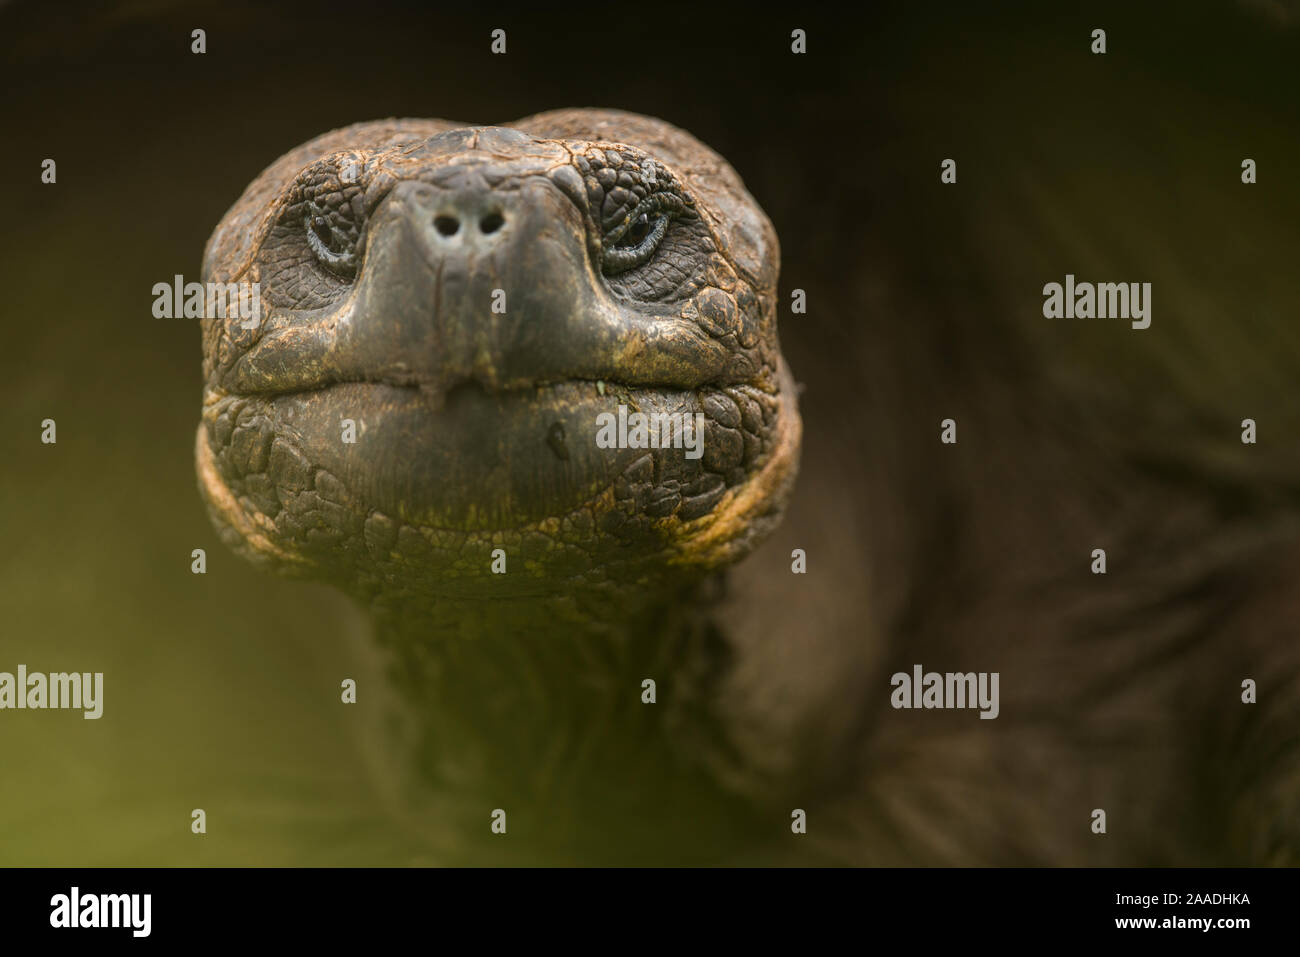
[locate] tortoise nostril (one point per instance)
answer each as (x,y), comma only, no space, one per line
(491,222)
(446,225)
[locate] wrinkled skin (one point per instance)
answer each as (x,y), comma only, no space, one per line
(475,428)
(468,300)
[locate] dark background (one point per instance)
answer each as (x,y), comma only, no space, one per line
(924,301)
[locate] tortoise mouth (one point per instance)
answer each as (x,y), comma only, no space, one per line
(437,395)
(427,488)
(485,458)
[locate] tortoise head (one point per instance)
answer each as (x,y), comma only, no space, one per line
(556,338)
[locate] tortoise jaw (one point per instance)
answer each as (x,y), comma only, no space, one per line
(470,458)
(313,522)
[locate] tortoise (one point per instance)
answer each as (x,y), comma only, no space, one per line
(464,303)
(448,312)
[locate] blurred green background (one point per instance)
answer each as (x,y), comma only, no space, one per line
(221,691)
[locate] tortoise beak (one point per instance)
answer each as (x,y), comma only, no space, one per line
(469,282)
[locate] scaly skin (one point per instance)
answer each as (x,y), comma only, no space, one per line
(633,269)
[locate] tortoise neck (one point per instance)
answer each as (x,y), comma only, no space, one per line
(565,709)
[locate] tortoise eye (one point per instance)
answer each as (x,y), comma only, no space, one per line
(321,228)
(636,245)
(634,241)
(637,231)
(334,248)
